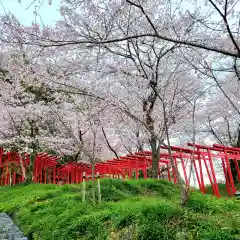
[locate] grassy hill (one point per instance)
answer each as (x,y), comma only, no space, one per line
(145,209)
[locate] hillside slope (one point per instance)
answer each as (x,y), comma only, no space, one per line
(144,209)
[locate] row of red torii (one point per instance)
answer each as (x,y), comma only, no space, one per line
(47,168)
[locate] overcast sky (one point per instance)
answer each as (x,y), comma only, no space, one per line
(25,13)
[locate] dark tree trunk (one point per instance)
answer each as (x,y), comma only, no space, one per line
(232,162)
(148,105)
(238,139)
(29,175)
(155,157)
(29,169)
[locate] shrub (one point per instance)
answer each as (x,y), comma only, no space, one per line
(207,231)
(151,232)
(205,203)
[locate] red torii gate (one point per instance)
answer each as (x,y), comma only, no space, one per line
(47,168)
(224,154)
(8,173)
(72,172)
(44,167)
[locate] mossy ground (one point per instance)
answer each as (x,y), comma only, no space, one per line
(144,209)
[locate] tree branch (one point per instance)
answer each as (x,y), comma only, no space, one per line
(213,132)
(108,144)
(224,17)
(54,43)
(144,13)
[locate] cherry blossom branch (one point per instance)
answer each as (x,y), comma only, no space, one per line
(213,132)
(55,43)
(168,145)
(222,90)
(237,72)
(228,130)
(145,14)
(108,144)
(224,17)
(80,144)
(215,80)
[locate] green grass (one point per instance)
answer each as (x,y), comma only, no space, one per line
(222,189)
(144,209)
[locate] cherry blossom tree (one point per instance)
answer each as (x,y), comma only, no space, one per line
(143,63)
(208,25)
(28,107)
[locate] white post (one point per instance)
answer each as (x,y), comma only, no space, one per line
(99,188)
(84,187)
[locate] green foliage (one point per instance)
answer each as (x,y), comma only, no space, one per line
(114,190)
(208,231)
(144,209)
(41,93)
(162,187)
(208,203)
(222,189)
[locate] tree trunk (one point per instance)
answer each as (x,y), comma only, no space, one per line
(186,188)
(29,175)
(27,171)
(155,157)
(238,140)
(93,183)
(148,105)
(154,165)
(23,169)
(232,162)
(184,194)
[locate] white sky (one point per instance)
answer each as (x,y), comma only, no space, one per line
(25,13)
